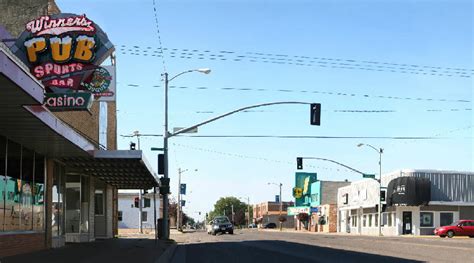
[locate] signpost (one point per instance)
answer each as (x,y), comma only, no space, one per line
(372,176)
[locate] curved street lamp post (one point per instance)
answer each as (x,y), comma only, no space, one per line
(379,212)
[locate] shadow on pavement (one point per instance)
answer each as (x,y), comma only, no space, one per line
(134,250)
(276,251)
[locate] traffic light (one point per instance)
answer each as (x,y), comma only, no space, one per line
(137,202)
(299,163)
(382,195)
(315,111)
(161,163)
(164,186)
(132,146)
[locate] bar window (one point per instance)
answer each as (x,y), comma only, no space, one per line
(13,187)
(99,202)
(3,155)
(426,219)
(144,216)
(120,216)
(446,219)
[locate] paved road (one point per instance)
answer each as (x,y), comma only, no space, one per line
(273,246)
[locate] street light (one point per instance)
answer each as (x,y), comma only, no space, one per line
(379,151)
(165,145)
(281,203)
(179,207)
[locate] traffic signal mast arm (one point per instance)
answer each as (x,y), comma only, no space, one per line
(332,161)
(232,112)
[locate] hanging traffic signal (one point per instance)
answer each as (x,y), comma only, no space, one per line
(137,202)
(161,163)
(315,112)
(299,163)
(132,146)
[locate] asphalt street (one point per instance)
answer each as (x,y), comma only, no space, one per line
(274,246)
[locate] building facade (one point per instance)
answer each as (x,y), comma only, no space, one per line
(416,202)
(58,179)
(269,212)
(129,211)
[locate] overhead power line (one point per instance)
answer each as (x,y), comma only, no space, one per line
(297,60)
(330,93)
(242,156)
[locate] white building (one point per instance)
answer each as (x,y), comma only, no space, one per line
(129,213)
(417,201)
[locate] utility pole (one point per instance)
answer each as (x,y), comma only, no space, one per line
(166,228)
(232,206)
(178,212)
(281,207)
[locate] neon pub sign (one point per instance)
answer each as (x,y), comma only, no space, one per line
(62,51)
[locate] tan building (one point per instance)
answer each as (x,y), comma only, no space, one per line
(269,212)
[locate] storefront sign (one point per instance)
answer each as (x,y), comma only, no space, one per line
(102,83)
(63,51)
(68,101)
(294,210)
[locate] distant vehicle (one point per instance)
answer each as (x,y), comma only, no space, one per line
(270,225)
(220,224)
(458,228)
(252,226)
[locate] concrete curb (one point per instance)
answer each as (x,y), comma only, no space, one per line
(167,256)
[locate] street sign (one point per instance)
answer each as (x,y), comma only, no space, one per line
(277,198)
(183,202)
(175,129)
(183,189)
(369,176)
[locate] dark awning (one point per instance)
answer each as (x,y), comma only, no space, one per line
(408,191)
(123,169)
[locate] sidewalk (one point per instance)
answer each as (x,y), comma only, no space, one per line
(110,250)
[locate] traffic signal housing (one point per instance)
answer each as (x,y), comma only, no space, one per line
(315,113)
(136,202)
(299,163)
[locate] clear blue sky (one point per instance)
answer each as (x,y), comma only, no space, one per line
(415,33)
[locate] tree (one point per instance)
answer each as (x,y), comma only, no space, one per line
(223,206)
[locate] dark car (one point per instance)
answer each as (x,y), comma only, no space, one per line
(270,225)
(458,228)
(221,224)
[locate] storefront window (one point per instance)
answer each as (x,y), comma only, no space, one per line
(99,202)
(426,219)
(3,153)
(58,189)
(13,187)
(370,220)
(376,219)
(38,193)
(85,196)
(446,219)
(364,220)
(26,189)
(73,203)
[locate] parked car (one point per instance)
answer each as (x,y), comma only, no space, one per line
(458,228)
(220,224)
(252,226)
(270,225)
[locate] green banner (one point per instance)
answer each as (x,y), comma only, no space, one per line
(68,101)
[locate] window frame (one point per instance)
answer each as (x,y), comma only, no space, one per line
(432,219)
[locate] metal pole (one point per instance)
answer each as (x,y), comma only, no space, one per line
(281,206)
(165,170)
(178,207)
(140,211)
(232,206)
(380,192)
(140,205)
(154,212)
(248,208)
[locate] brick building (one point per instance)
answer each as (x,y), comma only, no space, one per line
(58,177)
(269,212)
